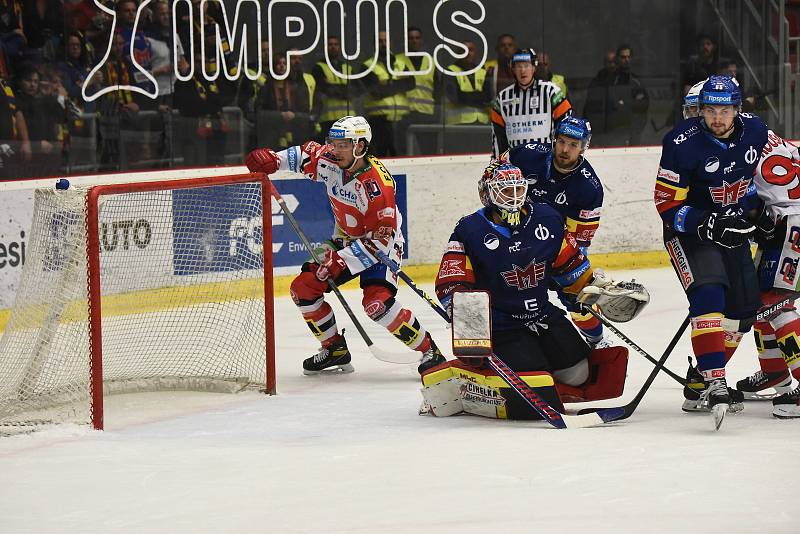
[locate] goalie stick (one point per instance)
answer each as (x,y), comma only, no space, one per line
(382,355)
(533,399)
(611,326)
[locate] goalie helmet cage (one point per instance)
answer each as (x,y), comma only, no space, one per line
(143,286)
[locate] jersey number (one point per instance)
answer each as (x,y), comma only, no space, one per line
(791,171)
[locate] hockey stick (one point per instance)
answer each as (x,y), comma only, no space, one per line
(411,357)
(629,408)
(611,326)
(533,399)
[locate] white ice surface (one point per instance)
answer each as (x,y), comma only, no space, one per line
(350,454)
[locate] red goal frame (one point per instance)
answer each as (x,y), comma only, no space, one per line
(93,271)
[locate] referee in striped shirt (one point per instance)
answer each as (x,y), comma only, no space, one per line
(527,111)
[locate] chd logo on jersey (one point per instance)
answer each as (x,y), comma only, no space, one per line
(524,278)
(727,194)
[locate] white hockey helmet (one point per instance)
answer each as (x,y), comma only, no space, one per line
(691,102)
(351,127)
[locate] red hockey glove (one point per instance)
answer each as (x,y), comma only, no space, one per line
(262,160)
(332,266)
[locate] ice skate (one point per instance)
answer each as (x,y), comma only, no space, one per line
(717,398)
(431,358)
(335,358)
(693,393)
(753,387)
(787,406)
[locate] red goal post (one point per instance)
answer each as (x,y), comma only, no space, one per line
(178,307)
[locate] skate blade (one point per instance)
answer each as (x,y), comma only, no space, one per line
(789,412)
(756,396)
(691,406)
(718,413)
(339,369)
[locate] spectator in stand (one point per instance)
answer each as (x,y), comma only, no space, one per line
(729,67)
(44,118)
(161,39)
(247,92)
(544,73)
(499,69)
(119,110)
(617,103)
(702,64)
(44,29)
(75,68)
(78,15)
(468,97)
(422,99)
(15,146)
(142,51)
(286,107)
(334,90)
(201,128)
(12,35)
(385,103)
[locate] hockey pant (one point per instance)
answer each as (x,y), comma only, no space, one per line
(778,340)
(722,288)
(379,287)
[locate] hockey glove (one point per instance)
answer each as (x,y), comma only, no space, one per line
(332,266)
(262,160)
(618,301)
(727,231)
(765,227)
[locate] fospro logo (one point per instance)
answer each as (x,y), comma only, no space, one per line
(241,34)
(248,231)
(12,253)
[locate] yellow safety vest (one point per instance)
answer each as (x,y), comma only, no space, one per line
(420,99)
(393,107)
(460,114)
(335,108)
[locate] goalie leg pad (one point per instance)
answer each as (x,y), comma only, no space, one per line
(481,392)
(607,370)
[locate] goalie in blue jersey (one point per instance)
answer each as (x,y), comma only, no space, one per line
(515,250)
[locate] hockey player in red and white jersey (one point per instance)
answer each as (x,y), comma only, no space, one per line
(777,182)
(362,195)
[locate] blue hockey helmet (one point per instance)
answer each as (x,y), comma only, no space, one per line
(720,91)
(576,128)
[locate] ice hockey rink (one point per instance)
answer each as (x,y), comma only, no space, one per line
(348,453)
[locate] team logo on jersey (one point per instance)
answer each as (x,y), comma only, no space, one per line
(728,194)
(525,278)
(751,155)
(491,241)
(561,198)
(712,164)
(541,232)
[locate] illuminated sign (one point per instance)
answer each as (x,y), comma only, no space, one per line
(294,26)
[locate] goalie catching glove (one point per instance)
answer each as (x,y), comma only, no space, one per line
(618,301)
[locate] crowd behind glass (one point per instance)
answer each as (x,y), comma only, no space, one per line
(49,47)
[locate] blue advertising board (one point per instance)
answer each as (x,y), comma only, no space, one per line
(231,240)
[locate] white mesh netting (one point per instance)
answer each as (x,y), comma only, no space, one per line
(182,300)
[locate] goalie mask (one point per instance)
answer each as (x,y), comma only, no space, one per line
(503,188)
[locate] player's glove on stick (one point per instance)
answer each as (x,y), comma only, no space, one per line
(725,230)
(262,160)
(618,301)
(332,266)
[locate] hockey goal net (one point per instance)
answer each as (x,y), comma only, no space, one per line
(139,287)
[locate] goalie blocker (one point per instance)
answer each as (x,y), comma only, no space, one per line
(468,385)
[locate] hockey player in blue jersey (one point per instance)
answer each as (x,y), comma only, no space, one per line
(709,208)
(515,249)
(561,176)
